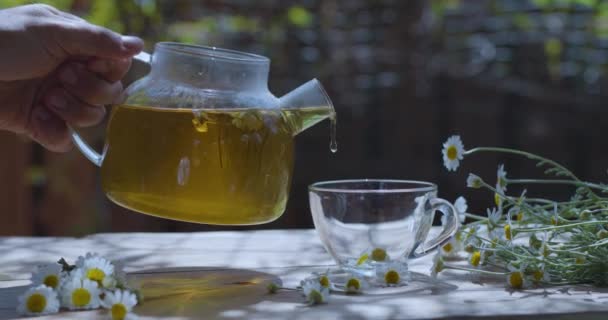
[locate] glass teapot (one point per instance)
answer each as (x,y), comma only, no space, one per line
(202,139)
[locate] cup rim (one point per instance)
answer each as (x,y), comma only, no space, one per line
(424,186)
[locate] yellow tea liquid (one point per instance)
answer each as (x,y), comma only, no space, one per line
(213,166)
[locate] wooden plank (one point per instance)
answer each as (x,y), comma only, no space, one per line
(14,189)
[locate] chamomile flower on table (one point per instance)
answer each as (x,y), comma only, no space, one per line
(120,303)
(494,216)
(516,278)
(438,265)
(452,247)
(392,273)
(539,275)
(314,292)
(49,275)
(453,152)
(355,284)
(80,294)
(38,301)
(373,255)
(475,259)
(474,181)
(95,268)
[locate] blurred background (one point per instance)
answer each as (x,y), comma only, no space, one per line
(403,75)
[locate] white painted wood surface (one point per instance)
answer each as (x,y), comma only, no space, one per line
(222,275)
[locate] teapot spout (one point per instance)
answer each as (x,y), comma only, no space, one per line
(306,106)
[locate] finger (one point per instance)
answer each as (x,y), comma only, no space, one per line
(71,109)
(70,16)
(87,86)
(111,70)
(81,38)
(49,130)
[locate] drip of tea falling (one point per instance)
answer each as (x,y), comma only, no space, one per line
(333,143)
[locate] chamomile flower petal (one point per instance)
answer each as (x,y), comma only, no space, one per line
(314,292)
(392,273)
(461,206)
(494,216)
(451,248)
(49,275)
(453,152)
(95,267)
(501,177)
(80,294)
(474,181)
(120,303)
(39,300)
(438,266)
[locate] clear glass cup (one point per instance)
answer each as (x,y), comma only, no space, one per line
(387,220)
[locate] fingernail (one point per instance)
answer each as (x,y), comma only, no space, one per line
(100,66)
(132,44)
(42,115)
(68,76)
(58,102)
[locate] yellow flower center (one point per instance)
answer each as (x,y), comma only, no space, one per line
(200,126)
(391,277)
(324,281)
(502,182)
(119,311)
(439,266)
(51,281)
(362,259)
(36,303)
(452,152)
(469,248)
(96,274)
(353,284)
(508,234)
(516,280)
(497,199)
(315,297)
(81,297)
(475,258)
(538,275)
(520,216)
(448,247)
(378,254)
(546,251)
(554,221)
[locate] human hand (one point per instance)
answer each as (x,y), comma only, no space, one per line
(56,71)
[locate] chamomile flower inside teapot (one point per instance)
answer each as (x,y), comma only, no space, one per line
(202,139)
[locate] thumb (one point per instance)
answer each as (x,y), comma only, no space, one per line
(85,39)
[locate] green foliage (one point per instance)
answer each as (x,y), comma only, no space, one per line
(59,4)
(299,16)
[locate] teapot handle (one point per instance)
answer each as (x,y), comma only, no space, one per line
(139,67)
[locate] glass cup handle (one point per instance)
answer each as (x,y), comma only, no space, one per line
(140,66)
(448,231)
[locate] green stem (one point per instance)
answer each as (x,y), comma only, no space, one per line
(474,270)
(562,226)
(555,181)
(475,217)
(525,154)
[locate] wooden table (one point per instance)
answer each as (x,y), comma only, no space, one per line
(222,275)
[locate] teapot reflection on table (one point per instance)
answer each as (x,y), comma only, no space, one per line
(202,139)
